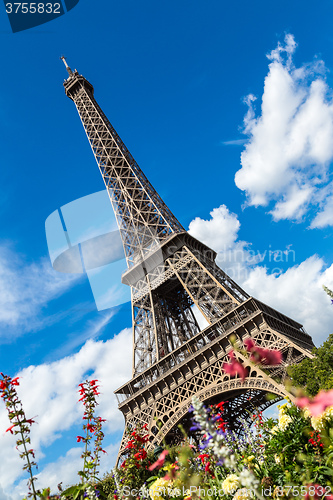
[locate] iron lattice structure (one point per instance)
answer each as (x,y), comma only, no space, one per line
(169,272)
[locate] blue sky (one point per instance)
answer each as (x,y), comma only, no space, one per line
(251,178)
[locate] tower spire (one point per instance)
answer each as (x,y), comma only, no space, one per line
(70,72)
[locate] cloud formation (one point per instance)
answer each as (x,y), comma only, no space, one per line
(287,160)
(296,292)
(25,289)
(220,233)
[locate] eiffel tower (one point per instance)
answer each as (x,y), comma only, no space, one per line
(169,272)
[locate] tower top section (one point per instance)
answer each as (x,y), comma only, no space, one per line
(144,220)
(75,82)
(69,71)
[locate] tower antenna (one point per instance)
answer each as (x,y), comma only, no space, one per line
(70,72)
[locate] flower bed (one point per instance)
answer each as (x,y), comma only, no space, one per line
(287,457)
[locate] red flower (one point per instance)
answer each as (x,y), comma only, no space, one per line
(14,381)
(318,404)
(160,460)
(79,439)
(29,421)
(234,367)
(91,428)
(221,425)
(130,445)
(203,457)
(141,455)
(10,428)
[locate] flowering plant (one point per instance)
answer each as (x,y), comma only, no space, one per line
(20,426)
(92,428)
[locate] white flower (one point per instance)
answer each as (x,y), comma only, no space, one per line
(284,421)
(242,494)
(247,479)
(230,484)
(318,423)
(159,488)
(91,493)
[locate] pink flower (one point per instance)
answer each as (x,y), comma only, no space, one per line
(316,493)
(318,404)
(249,344)
(160,461)
(235,367)
(262,356)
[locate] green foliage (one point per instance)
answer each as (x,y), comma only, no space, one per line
(317,373)
(292,457)
(108,486)
(134,471)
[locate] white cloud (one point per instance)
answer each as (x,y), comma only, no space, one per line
(297,292)
(288,157)
(65,470)
(49,392)
(325,216)
(220,233)
(25,289)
